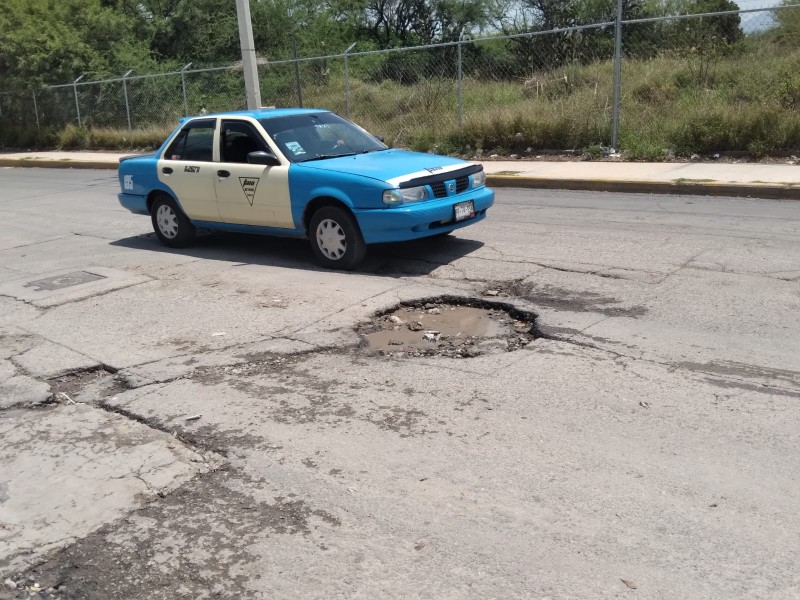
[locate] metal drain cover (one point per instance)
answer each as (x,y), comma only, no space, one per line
(59,287)
(59,282)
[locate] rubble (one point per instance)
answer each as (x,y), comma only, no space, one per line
(447,328)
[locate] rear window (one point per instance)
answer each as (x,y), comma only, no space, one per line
(195,142)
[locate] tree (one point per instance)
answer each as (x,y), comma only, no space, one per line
(52,41)
(788,30)
(702,41)
(392,23)
(555,49)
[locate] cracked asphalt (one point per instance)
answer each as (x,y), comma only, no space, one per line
(205,423)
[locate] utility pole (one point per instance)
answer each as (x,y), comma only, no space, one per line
(249,65)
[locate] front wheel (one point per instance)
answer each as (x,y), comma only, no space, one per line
(336,239)
(172,227)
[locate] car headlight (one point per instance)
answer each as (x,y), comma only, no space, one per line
(478,179)
(414,194)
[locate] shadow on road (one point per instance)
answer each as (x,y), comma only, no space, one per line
(418,257)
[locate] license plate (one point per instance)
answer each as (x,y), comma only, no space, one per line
(464,210)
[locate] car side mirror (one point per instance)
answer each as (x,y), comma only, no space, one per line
(259,157)
(379,138)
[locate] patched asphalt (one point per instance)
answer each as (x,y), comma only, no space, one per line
(210,422)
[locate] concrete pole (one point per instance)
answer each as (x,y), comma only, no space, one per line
(249,65)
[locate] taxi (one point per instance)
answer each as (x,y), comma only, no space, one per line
(301,173)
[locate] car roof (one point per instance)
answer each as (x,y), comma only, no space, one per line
(260,113)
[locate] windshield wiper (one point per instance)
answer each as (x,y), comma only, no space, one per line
(324,156)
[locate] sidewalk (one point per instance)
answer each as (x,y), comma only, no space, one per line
(780,181)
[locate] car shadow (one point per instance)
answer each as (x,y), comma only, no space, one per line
(417,257)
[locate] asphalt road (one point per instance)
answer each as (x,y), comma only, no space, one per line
(223,434)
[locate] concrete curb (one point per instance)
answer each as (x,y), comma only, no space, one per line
(770,191)
(58,164)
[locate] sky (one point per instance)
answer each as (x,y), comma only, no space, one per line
(757,21)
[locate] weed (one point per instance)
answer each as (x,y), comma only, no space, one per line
(740,96)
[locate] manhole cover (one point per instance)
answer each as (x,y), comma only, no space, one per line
(60,282)
(458,328)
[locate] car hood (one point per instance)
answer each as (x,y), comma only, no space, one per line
(391,166)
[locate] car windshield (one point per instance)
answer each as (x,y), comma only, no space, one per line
(317,136)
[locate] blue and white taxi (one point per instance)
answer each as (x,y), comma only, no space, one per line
(303,173)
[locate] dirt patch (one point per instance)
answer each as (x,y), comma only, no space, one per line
(70,384)
(195,543)
(568,300)
(404,421)
(448,326)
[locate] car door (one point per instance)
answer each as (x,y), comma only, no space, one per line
(187,168)
(250,194)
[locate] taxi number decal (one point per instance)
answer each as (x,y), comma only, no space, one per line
(191,169)
(249,185)
(127,182)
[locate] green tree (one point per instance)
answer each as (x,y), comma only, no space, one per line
(788,30)
(53,41)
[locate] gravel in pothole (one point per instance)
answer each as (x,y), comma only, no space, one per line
(445,329)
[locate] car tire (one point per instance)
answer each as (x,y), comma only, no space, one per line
(336,238)
(172,227)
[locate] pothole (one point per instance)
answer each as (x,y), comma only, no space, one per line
(449,326)
(70,384)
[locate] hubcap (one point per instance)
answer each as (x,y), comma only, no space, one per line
(331,239)
(167,221)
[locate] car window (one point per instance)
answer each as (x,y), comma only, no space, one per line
(237,140)
(319,135)
(195,142)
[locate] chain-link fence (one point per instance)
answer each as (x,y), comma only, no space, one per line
(686,83)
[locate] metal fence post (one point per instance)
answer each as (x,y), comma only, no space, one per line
(297,72)
(77,104)
(347,80)
(183,87)
(35,109)
(617,78)
(460,97)
(127,104)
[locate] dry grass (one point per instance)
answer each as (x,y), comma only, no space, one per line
(748,101)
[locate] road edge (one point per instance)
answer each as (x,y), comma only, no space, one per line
(767,191)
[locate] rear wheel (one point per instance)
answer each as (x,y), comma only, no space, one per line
(336,239)
(172,227)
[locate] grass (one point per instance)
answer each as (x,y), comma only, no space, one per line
(748,101)
(104,138)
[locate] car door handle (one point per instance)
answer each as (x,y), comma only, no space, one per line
(167,170)
(224,173)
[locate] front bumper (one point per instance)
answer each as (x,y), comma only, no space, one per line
(419,220)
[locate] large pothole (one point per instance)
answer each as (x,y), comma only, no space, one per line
(450,326)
